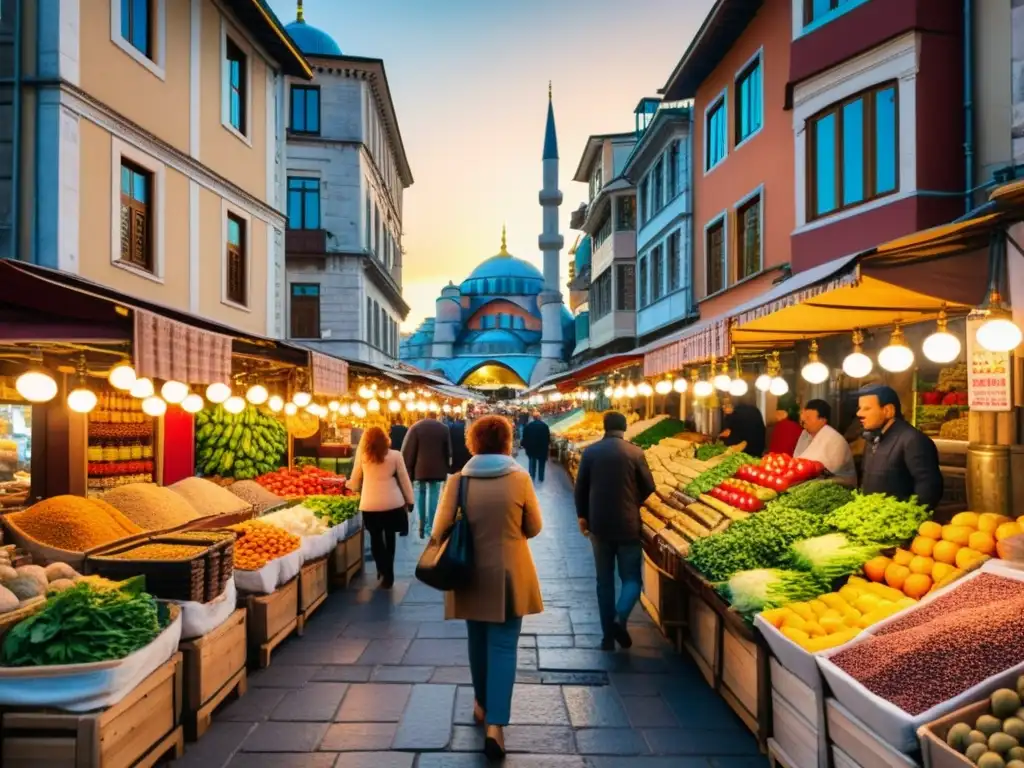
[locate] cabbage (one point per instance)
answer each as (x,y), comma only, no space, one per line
(756,590)
(831,556)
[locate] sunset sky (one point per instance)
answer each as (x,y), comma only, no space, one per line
(469,79)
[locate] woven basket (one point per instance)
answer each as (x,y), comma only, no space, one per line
(220,562)
(167,579)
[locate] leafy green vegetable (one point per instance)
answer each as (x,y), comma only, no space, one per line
(831,556)
(85,624)
(710,450)
(333,509)
(756,590)
(877,517)
(657,433)
(817,496)
(725,469)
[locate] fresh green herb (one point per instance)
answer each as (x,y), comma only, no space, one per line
(753,591)
(333,509)
(655,434)
(725,469)
(831,556)
(877,517)
(817,496)
(710,450)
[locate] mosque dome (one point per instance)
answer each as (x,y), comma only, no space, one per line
(504,275)
(312,41)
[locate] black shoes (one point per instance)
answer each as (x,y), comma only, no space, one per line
(494,750)
(607,644)
(621,635)
(387,582)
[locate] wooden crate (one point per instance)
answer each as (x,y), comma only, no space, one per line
(745,681)
(807,704)
(214,669)
(347,560)
(136,732)
(701,640)
(663,598)
(856,740)
(270,620)
(797,738)
(312,590)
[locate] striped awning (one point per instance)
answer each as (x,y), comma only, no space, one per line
(696,343)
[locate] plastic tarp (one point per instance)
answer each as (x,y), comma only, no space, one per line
(85,687)
(198,619)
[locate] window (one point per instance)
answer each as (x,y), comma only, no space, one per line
(303,203)
(369,320)
(136,202)
(236,76)
(672,182)
(376,324)
(749,100)
(716,135)
(626,208)
(625,287)
(643,282)
(658,200)
(305,319)
(306,109)
(657,272)
(601,296)
(715,250)
(596,182)
(603,232)
(136,25)
(645,195)
(853,151)
(748,236)
(816,10)
(672,257)
(237,277)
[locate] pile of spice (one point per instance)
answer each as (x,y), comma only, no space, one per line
(72,523)
(966,636)
(209,498)
(160,552)
(255,494)
(151,507)
(260,543)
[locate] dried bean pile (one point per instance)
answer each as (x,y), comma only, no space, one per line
(981,590)
(925,665)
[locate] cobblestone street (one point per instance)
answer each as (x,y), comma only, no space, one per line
(380,680)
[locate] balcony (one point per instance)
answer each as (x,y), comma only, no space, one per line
(305,242)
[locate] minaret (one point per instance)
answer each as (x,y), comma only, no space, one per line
(550,243)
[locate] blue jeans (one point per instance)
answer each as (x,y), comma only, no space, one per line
(428,492)
(492,665)
(629,557)
(537,467)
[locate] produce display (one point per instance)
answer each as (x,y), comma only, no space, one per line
(255,494)
(710,450)
(953,643)
(665,428)
(242,445)
(753,591)
(835,618)
(86,623)
(72,523)
(334,510)
(308,481)
(591,427)
(739,496)
(831,556)
(779,471)
(260,543)
(151,507)
(996,738)
(28,582)
(725,469)
(160,552)
(298,521)
(877,517)
(208,498)
(818,497)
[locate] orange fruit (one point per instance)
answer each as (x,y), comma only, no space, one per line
(989,521)
(902,557)
(921,564)
(922,545)
(917,585)
(1006,530)
(945,552)
(941,571)
(970,519)
(958,534)
(874,568)
(983,541)
(930,530)
(896,574)
(966,556)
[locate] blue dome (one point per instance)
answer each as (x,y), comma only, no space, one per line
(506,266)
(312,41)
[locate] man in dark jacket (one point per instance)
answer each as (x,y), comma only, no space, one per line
(898,459)
(427,450)
(612,482)
(537,442)
(460,451)
(397,435)
(744,424)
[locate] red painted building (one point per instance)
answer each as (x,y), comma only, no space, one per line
(876,93)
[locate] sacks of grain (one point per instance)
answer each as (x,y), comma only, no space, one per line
(71,523)
(151,507)
(209,498)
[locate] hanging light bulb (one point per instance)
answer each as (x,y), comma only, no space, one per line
(618,393)
(680,385)
(290,409)
(373,405)
(257,394)
(458,409)
(721,381)
(815,372)
(998,332)
(410,405)
(365,392)
(142,388)
(703,389)
(193,403)
(333,406)
(385,394)
(857,365)
(421,406)
(763,382)
(174,392)
(275,403)
(778,387)
(36,385)
(941,346)
(218,392)
(81,399)
(359,411)
(609,392)
(121,376)
(433,407)
(154,406)
(897,357)
(302,399)
(394,406)
(630,390)
(447,408)
(644,389)
(234,404)
(663,386)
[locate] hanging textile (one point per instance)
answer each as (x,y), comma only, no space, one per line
(330,375)
(166,349)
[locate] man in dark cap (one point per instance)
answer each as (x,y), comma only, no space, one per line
(899,460)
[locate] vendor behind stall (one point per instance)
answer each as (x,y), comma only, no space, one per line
(899,460)
(786,431)
(743,423)
(820,442)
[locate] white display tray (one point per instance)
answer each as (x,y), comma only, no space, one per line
(791,656)
(891,724)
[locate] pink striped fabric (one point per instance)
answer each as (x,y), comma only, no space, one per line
(703,343)
(330,375)
(166,349)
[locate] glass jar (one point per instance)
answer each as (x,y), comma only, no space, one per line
(147,451)
(136,452)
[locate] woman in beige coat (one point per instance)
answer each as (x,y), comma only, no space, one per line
(503,513)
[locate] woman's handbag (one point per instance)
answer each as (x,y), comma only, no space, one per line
(447,562)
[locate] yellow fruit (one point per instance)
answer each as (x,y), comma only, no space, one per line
(958,534)
(775,616)
(1020,520)
(856,581)
(902,557)
(930,530)
(989,521)
(941,571)
(970,519)
(966,556)
(945,552)
(921,564)
(832,624)
(874,568)
(802,610)
(851,615)
(814,629)
(832,600)
(831,641)
(1006,530)
(866,603)
(983,541)
(849,594)
(917,585)
(895,575)
(877,615)
(793,621)
(923,546)
(796,635)
(817,607)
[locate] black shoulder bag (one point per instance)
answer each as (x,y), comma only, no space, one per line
(447,562)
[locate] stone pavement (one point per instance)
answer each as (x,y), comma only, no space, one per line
(380,680)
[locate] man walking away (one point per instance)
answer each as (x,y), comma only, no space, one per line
(427,450)
(397,435)
(460,451)
(537,443)
(612,482)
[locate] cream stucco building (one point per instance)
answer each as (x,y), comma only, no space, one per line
(149,139)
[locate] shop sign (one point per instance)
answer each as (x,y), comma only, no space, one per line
(988,374)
